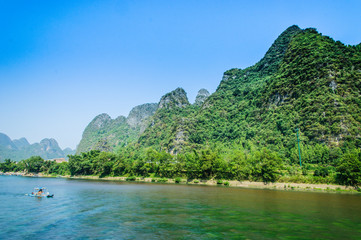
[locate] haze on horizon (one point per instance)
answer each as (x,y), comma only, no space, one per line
(63,63)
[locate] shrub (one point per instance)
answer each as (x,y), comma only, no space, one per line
(196,181)
(226,183)
(162,180)
(266,165)
(132,178)
(321,172)
(219,182)
(177,180)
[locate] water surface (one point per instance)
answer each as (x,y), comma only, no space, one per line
(84,209)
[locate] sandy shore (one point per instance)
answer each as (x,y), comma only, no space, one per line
(241,184)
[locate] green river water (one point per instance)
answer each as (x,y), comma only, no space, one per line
(83,209)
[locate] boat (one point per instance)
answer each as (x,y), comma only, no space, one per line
(40,192)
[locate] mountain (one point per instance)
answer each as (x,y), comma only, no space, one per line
(305,81)
(6,142)
(68,151)
(104,133)
(48,148)
(20,149)
(21,143)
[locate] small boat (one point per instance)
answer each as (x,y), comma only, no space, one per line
(40,192)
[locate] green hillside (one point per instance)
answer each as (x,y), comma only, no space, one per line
(306,81)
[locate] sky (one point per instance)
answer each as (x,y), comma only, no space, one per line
(64,62)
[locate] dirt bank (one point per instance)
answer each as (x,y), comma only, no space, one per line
(242,184)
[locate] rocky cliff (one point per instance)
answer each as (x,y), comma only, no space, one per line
(201,97)
(174,99)
(139,113)
(105,134)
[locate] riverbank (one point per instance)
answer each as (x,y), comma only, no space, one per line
(229,183)
(241,184)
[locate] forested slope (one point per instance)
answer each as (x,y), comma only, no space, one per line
(305,80)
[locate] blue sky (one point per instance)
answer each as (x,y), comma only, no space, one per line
(64,62)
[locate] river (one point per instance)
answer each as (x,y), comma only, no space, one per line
(86,209)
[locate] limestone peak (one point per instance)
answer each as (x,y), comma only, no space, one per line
(202,95)
(175,98)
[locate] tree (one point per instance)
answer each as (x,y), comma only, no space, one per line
(7,166)
(349,169)
(59,168)
(238,167)
(84,164)
(192,165)
(103,163)
(33,164)
(74,165)
(266,165)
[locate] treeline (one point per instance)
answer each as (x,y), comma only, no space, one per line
(35,164)
(205,164)
(240,162)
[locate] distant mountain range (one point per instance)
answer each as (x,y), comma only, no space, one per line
(20,149)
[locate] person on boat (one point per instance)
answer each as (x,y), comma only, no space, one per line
(40,192)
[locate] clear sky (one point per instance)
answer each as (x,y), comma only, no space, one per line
(64,62)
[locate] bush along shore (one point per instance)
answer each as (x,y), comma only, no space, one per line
(264,169)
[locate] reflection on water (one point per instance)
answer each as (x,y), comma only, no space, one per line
(109,210)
